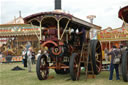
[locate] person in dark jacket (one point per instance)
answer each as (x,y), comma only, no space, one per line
(106,52)
(82,33)
(114,51)
(33,57)
(24,57)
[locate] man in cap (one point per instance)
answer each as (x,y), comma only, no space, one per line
(29,56)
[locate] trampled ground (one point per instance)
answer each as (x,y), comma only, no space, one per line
(23,77)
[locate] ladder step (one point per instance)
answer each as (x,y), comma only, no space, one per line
(90,73)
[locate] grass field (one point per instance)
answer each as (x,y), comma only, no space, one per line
(23,77)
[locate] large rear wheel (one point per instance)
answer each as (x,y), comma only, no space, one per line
(96,56)
(42,67)
(125,66)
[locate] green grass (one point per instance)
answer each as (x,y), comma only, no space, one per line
(23,77)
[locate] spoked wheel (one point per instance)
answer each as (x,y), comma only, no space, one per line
(125,66)
(74,66)
(96,55)
(42,67)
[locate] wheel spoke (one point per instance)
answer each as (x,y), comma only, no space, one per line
(45,72)
(98,68)
(41,71)
(98,54)
(78,71)
(41,67)
(98,47)
(98,61)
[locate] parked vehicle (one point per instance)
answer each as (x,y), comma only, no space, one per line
(63,48)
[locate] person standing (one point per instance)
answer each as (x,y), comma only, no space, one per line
(33,57)
(82,34)
(29,56)
(114,52)
(24,55)
(106,52)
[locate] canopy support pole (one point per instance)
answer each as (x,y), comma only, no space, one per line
(65,29)
(58,27)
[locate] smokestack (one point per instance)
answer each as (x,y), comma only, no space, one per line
(19,13)
(57,4)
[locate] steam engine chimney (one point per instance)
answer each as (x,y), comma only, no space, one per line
(57,4)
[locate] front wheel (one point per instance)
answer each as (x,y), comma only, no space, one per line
(42,70)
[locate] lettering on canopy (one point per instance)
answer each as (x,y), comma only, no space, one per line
(113,34)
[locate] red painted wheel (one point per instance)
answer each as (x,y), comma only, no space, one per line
(42,67)
(74,66)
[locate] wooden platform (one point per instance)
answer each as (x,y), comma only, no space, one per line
(91,76)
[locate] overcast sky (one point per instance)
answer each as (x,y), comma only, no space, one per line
(106,11)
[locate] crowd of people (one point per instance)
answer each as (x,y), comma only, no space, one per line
(29,56)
